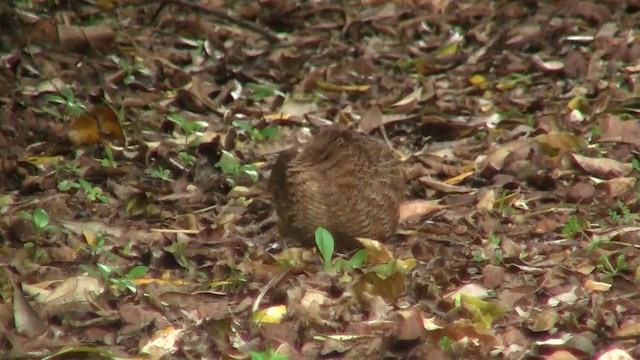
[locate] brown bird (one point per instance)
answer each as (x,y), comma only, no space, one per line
(345,181)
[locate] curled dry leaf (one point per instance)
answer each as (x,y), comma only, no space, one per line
(561,355)
(101,123)
(615,130)
(547,66)
(615,354)
(602,168)
(494,162)
(446,188)
(556,143)
(619,186)
(371,120)
(417,208)
(76,38)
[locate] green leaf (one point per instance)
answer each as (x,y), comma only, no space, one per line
(40,218)
(262,91)
(23,214)
(65,185)
(137,272)
(358,259)
(68,94)
(251,171)
(52,111)
(228,163)
(243,125)
(325,244)
(105,269)
(385,270)
(85,185)
(55,99)
(270,132)
(483,312)
(257,356)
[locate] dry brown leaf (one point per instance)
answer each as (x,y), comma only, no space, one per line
(561,355)
(76,38)
(615,130)
(618,187)
(101,123)
(417,208)
(495,160)
(601,167)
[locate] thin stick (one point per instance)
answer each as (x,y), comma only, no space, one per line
(266,33)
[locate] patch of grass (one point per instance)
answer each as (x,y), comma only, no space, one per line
(610,269)
(621,215)
(573,227)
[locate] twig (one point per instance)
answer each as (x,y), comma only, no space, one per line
(264,32)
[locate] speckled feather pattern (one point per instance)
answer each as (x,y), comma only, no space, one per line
(343,180)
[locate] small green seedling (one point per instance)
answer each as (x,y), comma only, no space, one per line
(232,168)
(114,276)
(622,215)
(325,244)
(186,158)
(68,99)
(255,134)
(40,220)
(189,127)
(108,161)
(129,69)
(446,344)
(160,173)
(93,193)
(495,243)
(262,91)
(611,270)
(71,167)
(573,227)
(98,248)
(268,354)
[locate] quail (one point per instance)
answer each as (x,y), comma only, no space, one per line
(345,181)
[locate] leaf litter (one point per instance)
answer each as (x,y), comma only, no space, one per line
(135,142)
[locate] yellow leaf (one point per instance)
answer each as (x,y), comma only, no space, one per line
(270,315)
(479,81)
(327,86)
